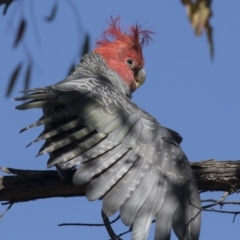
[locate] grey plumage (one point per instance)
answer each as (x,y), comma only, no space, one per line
(127,158)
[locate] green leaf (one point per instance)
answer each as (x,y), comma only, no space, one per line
(52,14)
(20,32)
(28,74)
(13,78)
(7,4)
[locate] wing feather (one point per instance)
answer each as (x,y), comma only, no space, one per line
(39,104)
(93,167)
(47,134)
(100,185)
(82,147)
(124,188)
(126,157)
(46,120)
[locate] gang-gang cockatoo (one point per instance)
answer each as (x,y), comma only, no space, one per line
(122,153)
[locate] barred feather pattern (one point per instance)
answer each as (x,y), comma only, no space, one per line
(122,153)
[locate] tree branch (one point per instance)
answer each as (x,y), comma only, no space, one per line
(217,175)
(27,185)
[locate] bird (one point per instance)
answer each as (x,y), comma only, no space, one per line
(124,155)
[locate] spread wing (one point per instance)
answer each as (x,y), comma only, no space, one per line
(127,158)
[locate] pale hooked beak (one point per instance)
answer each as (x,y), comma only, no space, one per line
(140,77)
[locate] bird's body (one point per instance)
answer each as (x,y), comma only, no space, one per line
(123,154)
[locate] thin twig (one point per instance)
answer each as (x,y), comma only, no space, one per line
(88,224)
(108,227)
(192,219)
(82,224)
(223,203)
(128,231)
(1,216)
(224,196)
(235,213)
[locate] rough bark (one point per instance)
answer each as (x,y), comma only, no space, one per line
(25,185)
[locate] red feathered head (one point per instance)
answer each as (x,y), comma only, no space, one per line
(122,51)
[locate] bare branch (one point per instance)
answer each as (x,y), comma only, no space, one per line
(217,175)
(223,203)
(88,224)
(27,185)
(220,201)
(108,227)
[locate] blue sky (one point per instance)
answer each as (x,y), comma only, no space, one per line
(184,90)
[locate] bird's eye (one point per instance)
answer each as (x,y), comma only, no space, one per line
(130,62)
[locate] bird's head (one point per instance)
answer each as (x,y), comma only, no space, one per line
(123,52)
